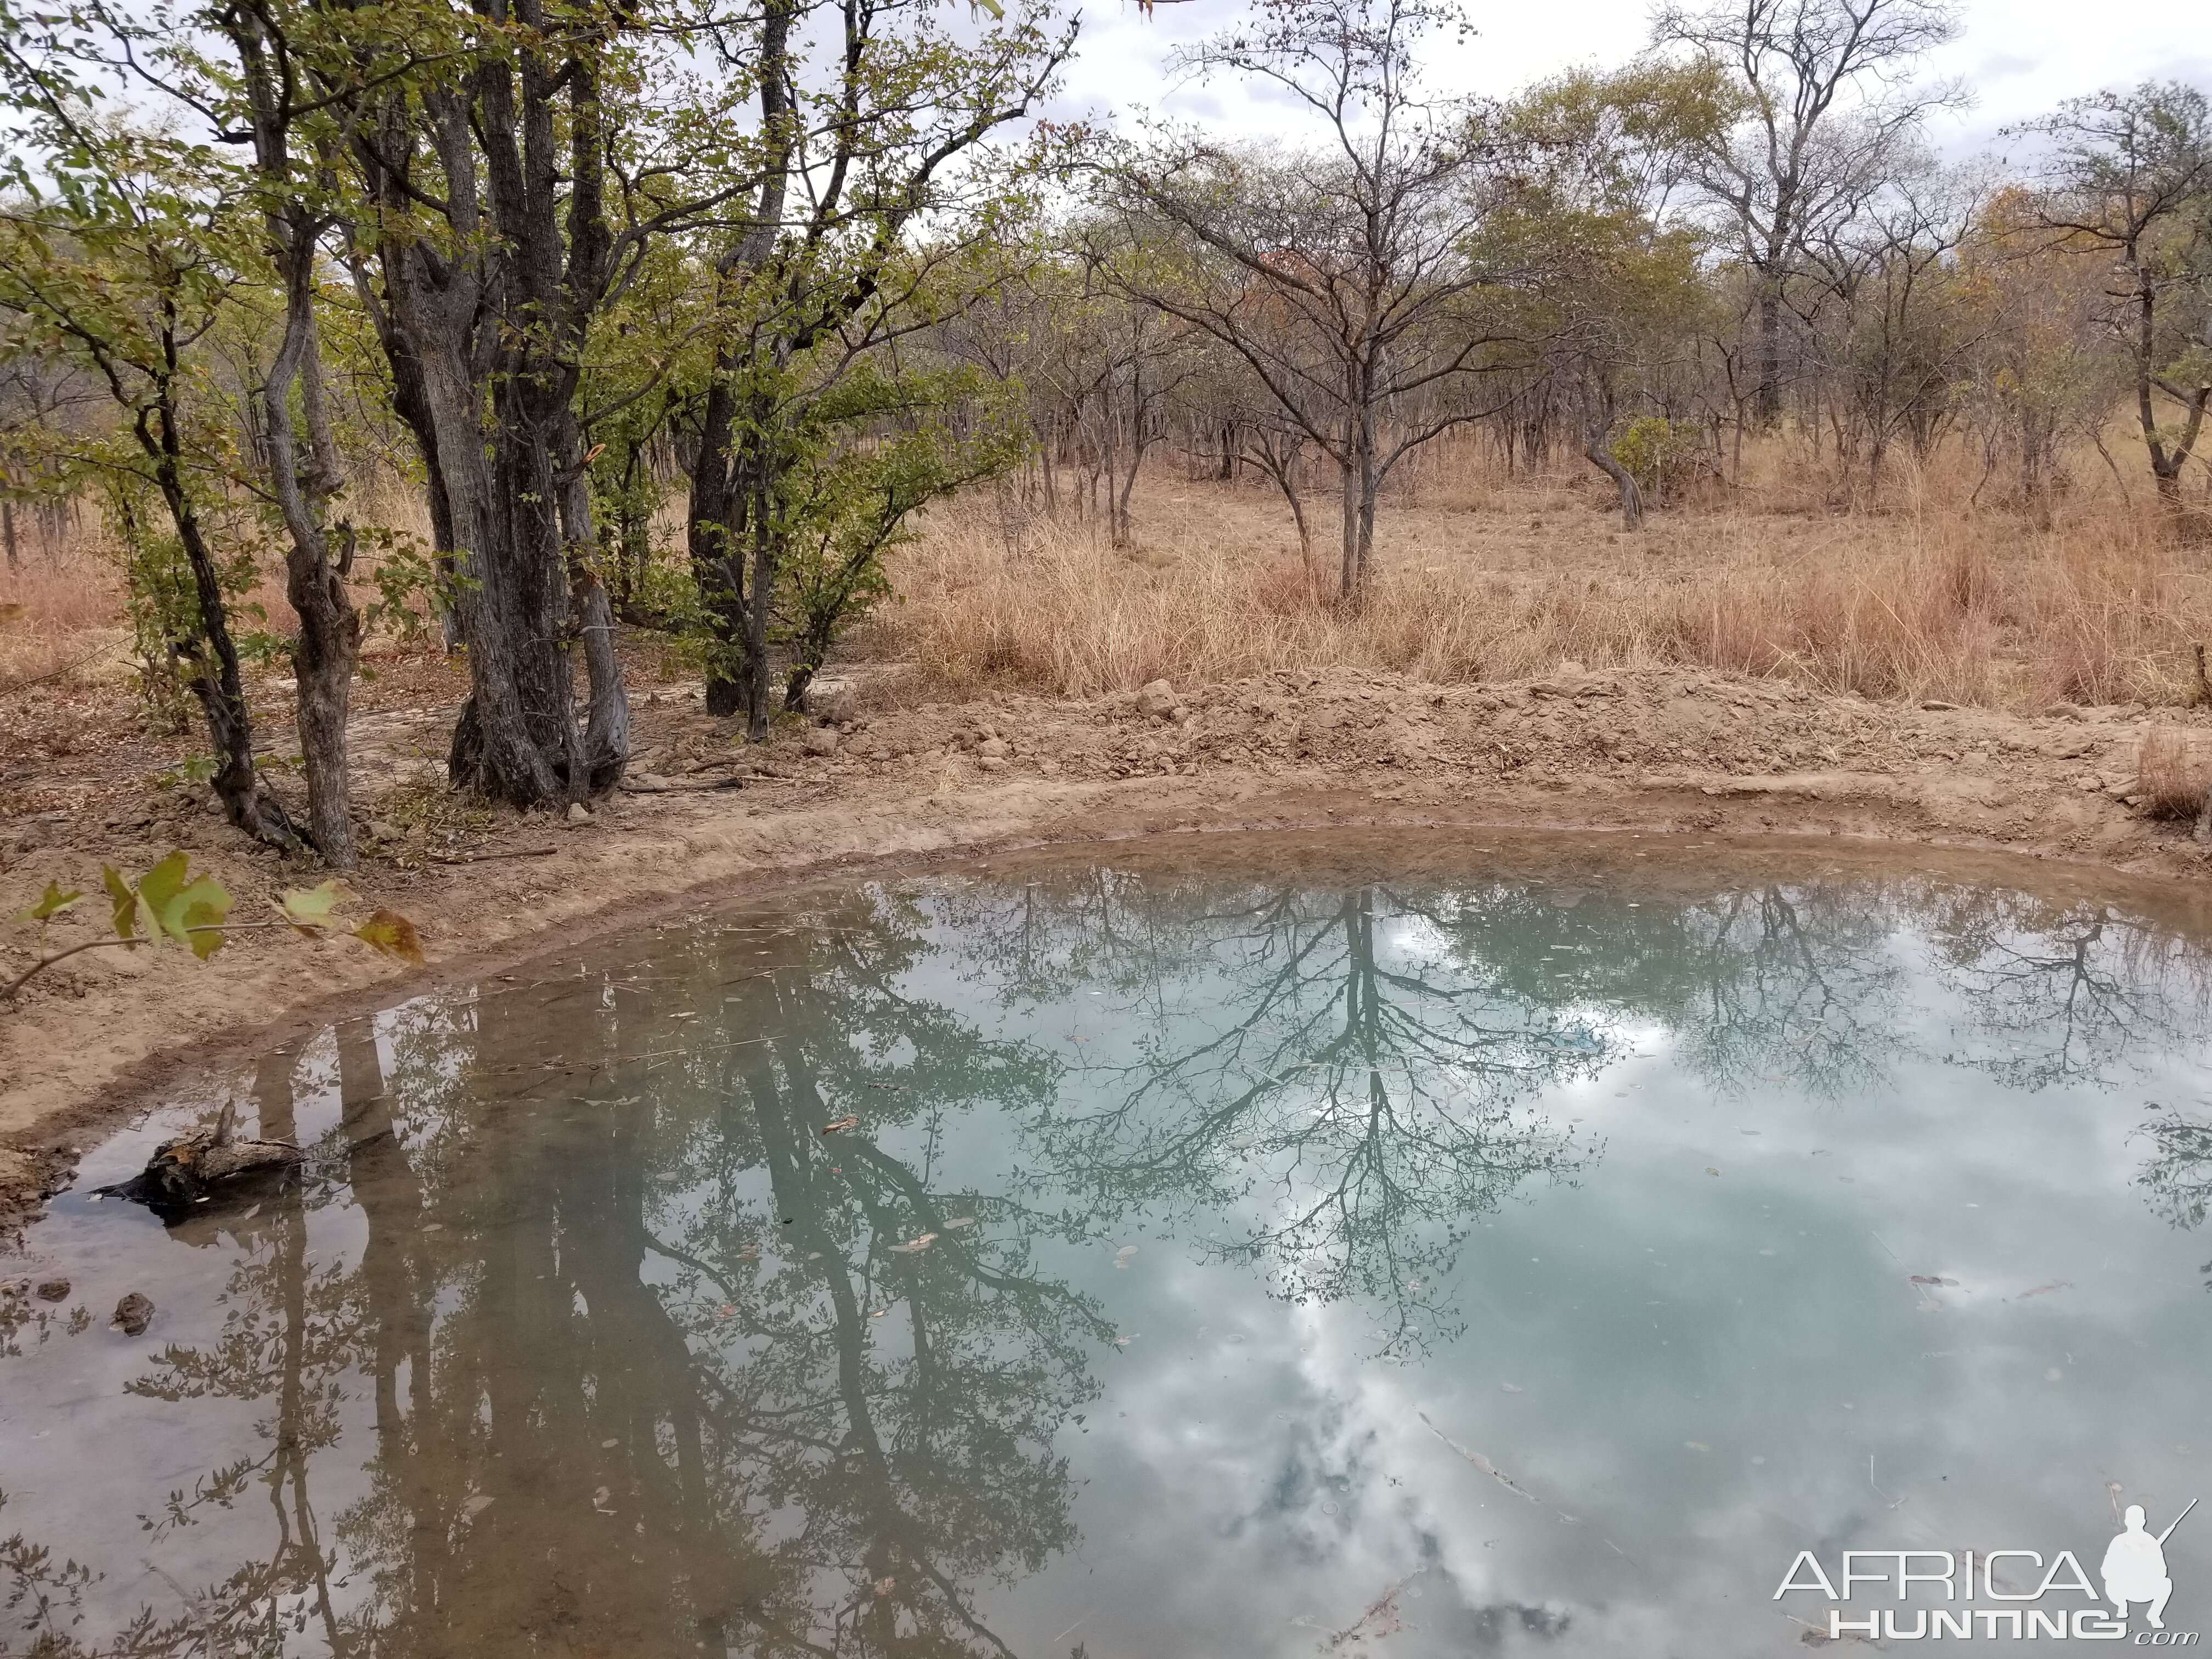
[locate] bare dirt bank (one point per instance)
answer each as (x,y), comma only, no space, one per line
(1657,751)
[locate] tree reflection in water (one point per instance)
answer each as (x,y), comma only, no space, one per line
(579,1334)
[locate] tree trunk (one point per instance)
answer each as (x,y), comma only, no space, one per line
(503,444)
(765,562)
(1361,486)
(1110,447)
(1125,533)
(1348,490)
(605,743)
(411,402)
(1597,449)
(211,655)
(1297,517)
(712,531)
(1769,395)
(328,648)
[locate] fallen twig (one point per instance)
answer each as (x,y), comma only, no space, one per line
(486,858)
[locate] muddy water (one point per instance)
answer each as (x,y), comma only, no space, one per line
(1414,1251)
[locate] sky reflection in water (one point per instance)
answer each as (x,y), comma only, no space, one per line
(1425,1255)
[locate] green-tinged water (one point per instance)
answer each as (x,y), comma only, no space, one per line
(1402,1251)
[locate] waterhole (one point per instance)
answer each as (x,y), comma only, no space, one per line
(1404,1248)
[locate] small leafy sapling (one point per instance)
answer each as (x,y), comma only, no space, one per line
(169,904)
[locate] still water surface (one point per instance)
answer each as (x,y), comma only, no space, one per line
(1407,1252)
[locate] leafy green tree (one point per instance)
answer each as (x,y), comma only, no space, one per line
(123,257)
(881,172)
(1607,290)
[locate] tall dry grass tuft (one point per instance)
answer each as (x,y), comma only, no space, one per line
(2174,770)
(1481,576)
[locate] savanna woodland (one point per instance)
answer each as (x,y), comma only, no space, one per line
(570,567)
(452,386)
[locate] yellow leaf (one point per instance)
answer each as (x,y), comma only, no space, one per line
(389,932)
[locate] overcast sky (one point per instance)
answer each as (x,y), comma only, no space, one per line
(2019,57)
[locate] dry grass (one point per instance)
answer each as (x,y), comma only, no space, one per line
(1481,576)
(61,621)
(2174,770)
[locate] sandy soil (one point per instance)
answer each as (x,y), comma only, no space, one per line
(908,782)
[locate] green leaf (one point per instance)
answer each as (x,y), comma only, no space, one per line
(164,903)
(310,909)
(52,903)
(159,890)
(389,932)
(126,899)
(200,915)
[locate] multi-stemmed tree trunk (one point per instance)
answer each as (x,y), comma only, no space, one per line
(490,316)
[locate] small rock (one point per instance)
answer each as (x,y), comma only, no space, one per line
(831,699)
(133,1314)
(53,1290)
(380,830)
(1156,699)
(578,813)
(991,749)
(991,762)
(1936,704)
(821,740)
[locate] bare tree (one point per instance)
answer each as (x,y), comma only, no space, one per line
(1340,274)
(1896,341)
(1806,151)
(2130,175)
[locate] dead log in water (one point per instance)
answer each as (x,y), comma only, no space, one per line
(196,1168)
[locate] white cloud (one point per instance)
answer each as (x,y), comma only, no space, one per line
(2018,58)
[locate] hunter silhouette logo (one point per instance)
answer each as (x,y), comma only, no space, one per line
(2134,1574)
(2134,1566)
